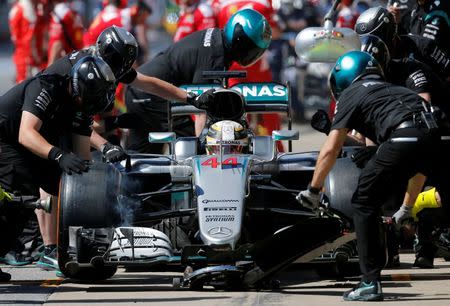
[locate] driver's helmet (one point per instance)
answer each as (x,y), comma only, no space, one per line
(351,67)
(377,21)
(229,135)
(247,34)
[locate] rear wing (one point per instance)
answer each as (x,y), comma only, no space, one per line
(270,97)
(259,98)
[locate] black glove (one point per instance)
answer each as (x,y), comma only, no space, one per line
(113,153)
(202,101)
(362,156)
(68,162)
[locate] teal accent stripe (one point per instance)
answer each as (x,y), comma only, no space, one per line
(244,166)
(438,14)
(198,165)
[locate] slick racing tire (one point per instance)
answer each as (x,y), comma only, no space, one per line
(340,185)
(88,200)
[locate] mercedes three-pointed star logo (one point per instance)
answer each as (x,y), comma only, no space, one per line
(220,232)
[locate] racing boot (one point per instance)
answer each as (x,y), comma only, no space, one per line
(424,262)
(365,291)
(13,258)
(4,277)
(425,252)
(48,260)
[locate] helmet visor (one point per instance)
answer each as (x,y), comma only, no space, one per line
(244,50)
(99,100)
(119,65)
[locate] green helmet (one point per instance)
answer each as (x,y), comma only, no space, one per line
(247,34)
(351,67)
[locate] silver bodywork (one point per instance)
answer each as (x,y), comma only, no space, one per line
(221,191)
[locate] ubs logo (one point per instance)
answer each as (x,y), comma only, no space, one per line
(220,232)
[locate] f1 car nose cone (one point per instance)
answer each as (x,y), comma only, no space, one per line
(220,232)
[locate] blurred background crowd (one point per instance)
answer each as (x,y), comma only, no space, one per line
(40,31)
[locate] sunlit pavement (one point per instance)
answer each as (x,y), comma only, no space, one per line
(405,285)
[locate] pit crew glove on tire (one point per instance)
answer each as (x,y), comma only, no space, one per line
(202,101)
(309,198)
(113,153)
(403,214)
(68,162)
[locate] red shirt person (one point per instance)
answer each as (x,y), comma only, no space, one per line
(24,25)
(116,13)
(194,16)
(65,31)
(347,15)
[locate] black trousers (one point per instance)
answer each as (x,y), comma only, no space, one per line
(393,164)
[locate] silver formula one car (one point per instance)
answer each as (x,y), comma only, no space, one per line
(227,216)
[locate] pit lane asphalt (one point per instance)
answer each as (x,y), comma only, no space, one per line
(403,286)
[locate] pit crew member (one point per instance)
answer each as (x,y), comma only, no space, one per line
(119,50)
(421,79)
(397,120)
(35,118)
(260,70)
(430,29)
(380,22)
(184,63)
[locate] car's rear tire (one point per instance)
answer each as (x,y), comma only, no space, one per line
(340,184)
(88,200)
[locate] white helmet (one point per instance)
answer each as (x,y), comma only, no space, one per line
(148,243)
(229,135)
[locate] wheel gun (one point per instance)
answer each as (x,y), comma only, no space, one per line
(32,202)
